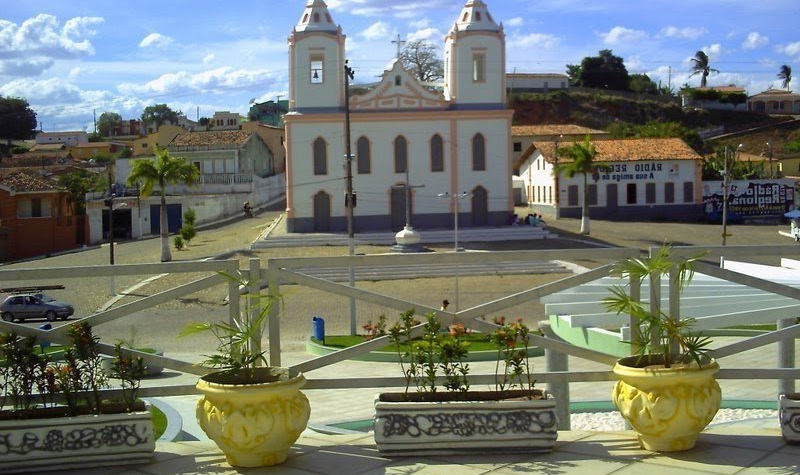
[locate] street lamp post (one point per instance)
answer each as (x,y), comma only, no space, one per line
(455,199)
(769,156)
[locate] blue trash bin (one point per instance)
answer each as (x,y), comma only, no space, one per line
(319,328)
(44,343)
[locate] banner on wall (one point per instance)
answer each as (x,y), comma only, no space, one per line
(749,198)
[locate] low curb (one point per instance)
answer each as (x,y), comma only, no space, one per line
(174,420)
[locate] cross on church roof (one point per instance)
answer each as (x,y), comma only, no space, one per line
(399,44)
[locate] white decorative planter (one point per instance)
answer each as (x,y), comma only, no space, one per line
(465,427)
(789,416)
(60,443)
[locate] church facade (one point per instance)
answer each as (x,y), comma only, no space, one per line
(446,141)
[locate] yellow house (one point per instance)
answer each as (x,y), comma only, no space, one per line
(162,138)
(85,151)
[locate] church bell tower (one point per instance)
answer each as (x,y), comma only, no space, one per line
(316,61)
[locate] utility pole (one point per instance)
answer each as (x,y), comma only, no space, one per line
(726,179)
(110,203)
(556,180)
(94,118)
(769,155)
(669,81)
(349,197)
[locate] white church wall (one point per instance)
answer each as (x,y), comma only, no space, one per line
(491,89)
(328,92)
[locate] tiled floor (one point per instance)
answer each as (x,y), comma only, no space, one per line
(727,450)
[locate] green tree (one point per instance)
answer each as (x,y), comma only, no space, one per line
(713,166)
(158,115)
(642,83)
(581,161)
(161,171)
(77,184)
(17,120)
(604,71)
(107,122)
(422,58)
(786,75)
(701,66)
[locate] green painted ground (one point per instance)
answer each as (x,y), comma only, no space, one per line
(475,342)
(159,422)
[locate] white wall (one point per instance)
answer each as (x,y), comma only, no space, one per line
(460,80)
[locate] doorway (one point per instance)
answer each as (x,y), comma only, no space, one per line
(480,207)
(322,212)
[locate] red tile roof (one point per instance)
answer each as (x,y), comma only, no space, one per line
(204,139)
(620,150)
(20,181)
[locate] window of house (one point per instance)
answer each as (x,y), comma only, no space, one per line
(592,198)
(478,153)
(650,193)
(546,85)
(669,192)
(478,67)
(400,155)
(36,207)
(316,69)
(197,165)
(631,195)
(549,194)
(320,157)
(398,80)
(517,146)
(363,156)
(572,195)
(688,192)
(437,153)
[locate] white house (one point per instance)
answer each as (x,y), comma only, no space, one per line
(646,179)
(536,82)
(225,120)
(68,138)
(451,141)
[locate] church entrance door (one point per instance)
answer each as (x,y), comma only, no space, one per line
(480,207)
(322,212)
(398,208)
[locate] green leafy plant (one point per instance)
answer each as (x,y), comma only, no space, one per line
(512,341)
(129,370)
(236,352)
(87,352)
(188,232)
(661,335)
(178,242)
(375,330)
(190,217)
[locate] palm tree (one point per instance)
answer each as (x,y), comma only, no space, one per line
(701,67)
(162,171)
(582,157)
(785,74)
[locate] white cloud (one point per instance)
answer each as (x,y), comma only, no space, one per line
(425,34)
(688,32)
(156,40)
(382,8)
(33,46)
(376,31)
(713,51)
(755,40)
(208,59)
(634,64)
(420,24)
(792,49)
(516,21)
(541,40)
(272,96)
(213,80)
(620,35)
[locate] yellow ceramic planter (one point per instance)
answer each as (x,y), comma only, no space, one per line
(254,424)
(668,407)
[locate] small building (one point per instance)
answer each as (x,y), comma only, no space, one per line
(646,179)
(522,136)
(85,151)
(774,101)
(68,138)
(162,138)
(536,82)
(35,217)
(730,97)
(269,113)
(224,120)
(274,137)
(128,128)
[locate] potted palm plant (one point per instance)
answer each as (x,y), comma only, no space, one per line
(667,390)
(514,417)
(254,413)
(53,416)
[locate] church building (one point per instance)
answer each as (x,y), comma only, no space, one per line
(453,140)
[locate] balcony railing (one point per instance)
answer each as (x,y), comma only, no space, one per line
(225,178)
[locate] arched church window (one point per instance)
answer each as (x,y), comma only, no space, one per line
(316,18)
(305,18)
(398,80)
(478,153)
(466,15)
(363,155)
(328,16)
(400,155)
(477,16)
(320,157)
(437,153)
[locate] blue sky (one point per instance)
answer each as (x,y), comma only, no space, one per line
(69,58)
